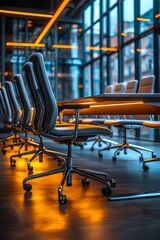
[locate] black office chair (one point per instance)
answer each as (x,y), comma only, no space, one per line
(28,126)
(64,135)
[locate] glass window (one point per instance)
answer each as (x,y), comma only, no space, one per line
(146,15)
(114,68)
(104,6)
(128,61)
(96,33)
(128,21)
(87,43)
(104,41)
(146,55)
(96,8)
(104,71)
(112,2)
(113,28)
(87,80)
(87,17)
(96,77)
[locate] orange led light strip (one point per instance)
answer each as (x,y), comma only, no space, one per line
(143,19)
(157,15)
(45,30)
(102,48)
(29,14)
(24,44)
(53,19)
(63,46)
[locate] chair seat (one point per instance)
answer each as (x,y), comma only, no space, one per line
(153,124)
(84,130)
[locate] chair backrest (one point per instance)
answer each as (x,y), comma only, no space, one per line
(9,115)
(51,108)
(3,108)
(26,105)
(13,101)
(131,86)
(108,89)
(39,109)
(146,84)
(119,88)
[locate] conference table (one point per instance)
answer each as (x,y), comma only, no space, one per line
(119,103)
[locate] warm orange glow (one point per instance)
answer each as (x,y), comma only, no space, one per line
(63,46)
(60,27)
(143,19)
(26,14)
(139,50)
(102,48)
(108,49)
(24,44)
(5,73)
(80,29)
(53,19)
(124,34)
(117,104)
(157,15)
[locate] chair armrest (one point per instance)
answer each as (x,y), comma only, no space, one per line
(73,106)
(76,108)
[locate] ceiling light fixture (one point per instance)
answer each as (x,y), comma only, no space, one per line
(157,15)
(26,14)
(52,20)
(111,49)
(143,19)
(63,46)
(24,44)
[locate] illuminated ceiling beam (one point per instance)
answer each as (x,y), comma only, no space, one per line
(53,19)
(143,19)
(63,46)
(157,15)
(111,49)
(24,44)
(26,14)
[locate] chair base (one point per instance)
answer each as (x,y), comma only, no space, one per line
(124,146)
(68,169)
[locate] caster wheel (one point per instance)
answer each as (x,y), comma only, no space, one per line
(100,145)
(27,187)
(118,153)
(11,147)
(113,182)
(62,199)
(3,151)
(81,147)
(30,169)
(85,182)
(141,158)
(145,168)
(154,155)
(100,155)
(13,162)
(92,148)
(114,158)
(106,191)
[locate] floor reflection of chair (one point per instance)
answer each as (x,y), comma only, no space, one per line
(64,135)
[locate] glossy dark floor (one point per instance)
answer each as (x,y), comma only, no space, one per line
(88,215)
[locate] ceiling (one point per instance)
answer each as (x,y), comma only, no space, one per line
(73,9)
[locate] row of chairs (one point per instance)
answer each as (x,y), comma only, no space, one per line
(124,123)
(33,91)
